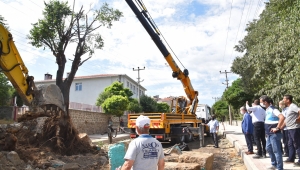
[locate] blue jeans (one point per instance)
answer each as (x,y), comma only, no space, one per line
(274,149)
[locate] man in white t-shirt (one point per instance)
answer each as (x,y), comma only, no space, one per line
(214,128)
(144,152)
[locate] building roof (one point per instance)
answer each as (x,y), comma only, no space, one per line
(83,77)
(90,77)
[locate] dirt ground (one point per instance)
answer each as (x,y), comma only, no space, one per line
(29,155)
(225,157)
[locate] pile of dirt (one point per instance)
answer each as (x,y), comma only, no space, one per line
(28,145)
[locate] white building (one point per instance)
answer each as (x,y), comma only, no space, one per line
(86,89)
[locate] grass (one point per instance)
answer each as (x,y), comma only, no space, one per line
(6,121)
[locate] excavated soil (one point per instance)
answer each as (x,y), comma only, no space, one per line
(22,146)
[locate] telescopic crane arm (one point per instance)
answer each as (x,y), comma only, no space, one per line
(152,30)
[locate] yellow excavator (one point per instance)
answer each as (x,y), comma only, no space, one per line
(46,97)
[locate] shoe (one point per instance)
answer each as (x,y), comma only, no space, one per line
(288,161)
(297,164)
(257,156)
(249,153)
(216,146)
(285,155)
(264,156)
(272,167)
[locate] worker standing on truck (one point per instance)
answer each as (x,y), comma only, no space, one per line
(214,128)
(144,152)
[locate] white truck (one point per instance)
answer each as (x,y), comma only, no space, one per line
(203,112)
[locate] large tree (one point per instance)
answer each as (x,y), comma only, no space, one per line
(236,96)
(115,99)
(61,26)
(270,51)
(149,105)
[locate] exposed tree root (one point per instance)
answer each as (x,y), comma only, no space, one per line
(61,136)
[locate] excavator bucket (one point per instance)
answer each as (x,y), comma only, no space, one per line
(49,95)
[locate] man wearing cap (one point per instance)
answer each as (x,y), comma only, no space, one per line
(144,152)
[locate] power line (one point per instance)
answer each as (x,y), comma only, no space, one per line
(216,98)
(237,31)
(227,34)
(230,115)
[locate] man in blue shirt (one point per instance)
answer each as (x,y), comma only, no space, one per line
(273,121)
(247,129)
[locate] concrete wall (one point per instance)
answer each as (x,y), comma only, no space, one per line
(6,112)
(92,122)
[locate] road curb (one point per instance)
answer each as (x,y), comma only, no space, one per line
(247,160)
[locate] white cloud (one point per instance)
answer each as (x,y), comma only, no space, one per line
(198,38)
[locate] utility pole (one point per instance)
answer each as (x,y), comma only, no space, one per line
(230,115)
(138,69)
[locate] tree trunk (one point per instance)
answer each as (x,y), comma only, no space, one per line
(230,115)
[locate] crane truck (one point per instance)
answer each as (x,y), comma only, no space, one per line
(181,124)
(47,97)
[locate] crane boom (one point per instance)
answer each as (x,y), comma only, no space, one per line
(183,76)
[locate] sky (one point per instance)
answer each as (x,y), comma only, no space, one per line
(201,33)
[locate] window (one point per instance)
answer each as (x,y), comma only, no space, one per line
(78,86)
(134,89)
(130,86)
(127,84)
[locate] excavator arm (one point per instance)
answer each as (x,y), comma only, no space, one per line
(12,65)
(183,76)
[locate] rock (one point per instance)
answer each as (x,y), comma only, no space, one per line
(103,160)
(51,168)
(56,163)
(14,158)
(85,137)
(10,142)
(28,167)
(203,159)
(181,166)
(171,158)
(70,166)
(43,163)
(42,153)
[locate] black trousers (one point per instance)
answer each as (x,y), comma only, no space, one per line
(285,138)
(259,137)
(215,138)
(294,144)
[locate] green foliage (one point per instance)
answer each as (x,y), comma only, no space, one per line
(134,106)
(163,108)
(236,96)
(117,89)
(115,105)
(148,104)
(270,61)
(220,108)
(5,95)
(61,26)
(2,21)
(102,97)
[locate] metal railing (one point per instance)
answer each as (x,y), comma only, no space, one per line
(86,107)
